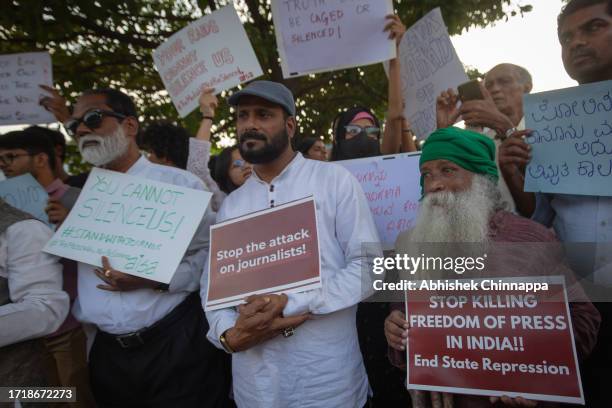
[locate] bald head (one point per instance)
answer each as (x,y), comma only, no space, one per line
(507,83)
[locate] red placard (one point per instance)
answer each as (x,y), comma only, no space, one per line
(484,340)
(271,251)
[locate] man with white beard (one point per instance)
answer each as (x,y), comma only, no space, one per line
(462,204)
(150,348)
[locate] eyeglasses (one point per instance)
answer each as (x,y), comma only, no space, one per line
(7,159)
(92,119)
(238,164)
(354,130)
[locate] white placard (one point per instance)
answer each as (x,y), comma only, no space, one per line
(26,194)
(20,75)
(212,52)
(318,36)
(391,186)
(143,226)
(429,65)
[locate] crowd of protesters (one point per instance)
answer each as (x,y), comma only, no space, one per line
(124,340)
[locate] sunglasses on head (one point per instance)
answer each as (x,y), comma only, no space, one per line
(92,119)
(354,130)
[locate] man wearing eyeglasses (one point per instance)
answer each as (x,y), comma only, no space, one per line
(301,349)
(150,348)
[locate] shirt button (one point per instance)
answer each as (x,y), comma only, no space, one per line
(603,223)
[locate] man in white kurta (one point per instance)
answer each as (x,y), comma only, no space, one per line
(320,365)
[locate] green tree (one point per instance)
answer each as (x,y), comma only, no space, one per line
(109,42)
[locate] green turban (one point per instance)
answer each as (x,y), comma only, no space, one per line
(470,150)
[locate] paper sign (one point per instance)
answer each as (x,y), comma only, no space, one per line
(20,75)
(571,140)
(491,341)
(318,36)
(271,251)
(391,186)
(212,52)
(429,65)
(26,194)
(143,226)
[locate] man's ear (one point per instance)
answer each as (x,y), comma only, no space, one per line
(40,160)
(131,127)
(527,87)
(290,126)
(59,151)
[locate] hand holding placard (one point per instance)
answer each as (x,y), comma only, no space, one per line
(116,281)
(212,52)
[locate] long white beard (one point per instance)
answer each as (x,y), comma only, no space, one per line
(457,217)
(109,148)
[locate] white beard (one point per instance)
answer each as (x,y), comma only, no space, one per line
(457,217)
(109,148)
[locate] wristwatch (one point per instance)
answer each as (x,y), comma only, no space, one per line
(224,342)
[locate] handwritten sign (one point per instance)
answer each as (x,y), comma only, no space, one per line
(571,140)
(317,36)
(391,186)
(212,52)
(274,250)
(482,340)
(26,194)
(142,226)
(20,75)
(429,65)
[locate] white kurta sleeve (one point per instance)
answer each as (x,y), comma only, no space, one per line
(358,238)
(39,306)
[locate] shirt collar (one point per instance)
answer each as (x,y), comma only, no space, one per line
(56,189)
(141,164)
(293,165)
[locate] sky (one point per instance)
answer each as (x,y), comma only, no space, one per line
(529,41)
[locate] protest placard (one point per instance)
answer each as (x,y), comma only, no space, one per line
(571,140)
(271,251)
(492,340)
(20,75)
(143,226)
(318,36)
(212,52)
(429,65)
(25,193)
(391,186)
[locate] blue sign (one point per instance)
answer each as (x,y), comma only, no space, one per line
(571,140)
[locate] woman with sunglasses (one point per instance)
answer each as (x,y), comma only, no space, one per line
(357,131)
(231,171)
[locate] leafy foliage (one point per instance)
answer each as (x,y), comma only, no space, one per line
(109,42)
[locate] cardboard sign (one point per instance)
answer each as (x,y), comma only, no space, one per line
(492,341)
(571,140)
(319,36)
(429,65)
(212,52)
(143,226)
(271,251)
(20,75)
(26,194)
(391,186)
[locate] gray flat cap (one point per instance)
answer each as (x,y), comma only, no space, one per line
(270,91)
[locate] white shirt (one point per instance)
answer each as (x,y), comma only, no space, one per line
(126,312)
(39,306)
(320,365)
(586,220)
